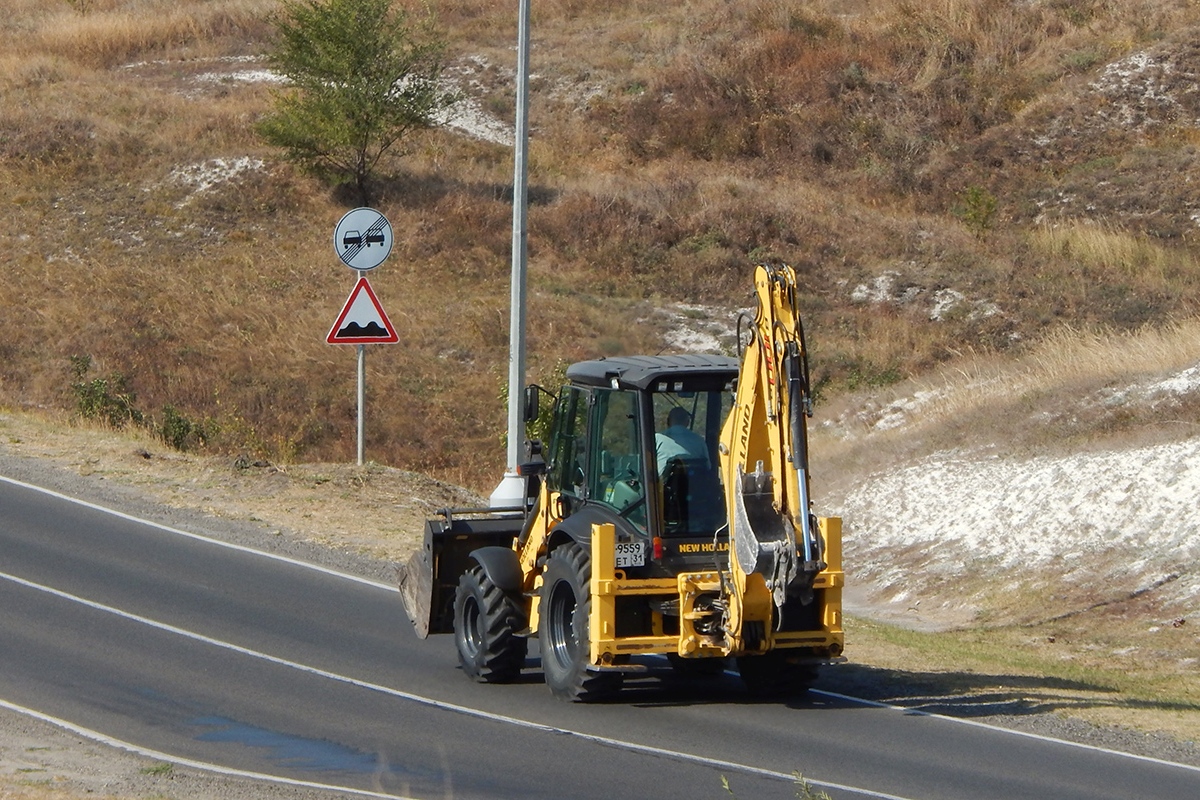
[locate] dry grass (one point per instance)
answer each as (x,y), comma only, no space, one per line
(1068,360)
(1063,394)
(123,32)
(1102,254)
(674,144)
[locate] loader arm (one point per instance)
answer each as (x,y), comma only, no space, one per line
(775,546)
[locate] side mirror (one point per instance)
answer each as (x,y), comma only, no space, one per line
(531,468)
(531,402)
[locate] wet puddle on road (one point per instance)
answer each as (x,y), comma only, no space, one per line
(294,752)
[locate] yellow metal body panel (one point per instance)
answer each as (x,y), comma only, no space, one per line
(531,547)
(609,583)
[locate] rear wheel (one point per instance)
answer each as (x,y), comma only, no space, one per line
(566,606)
(486,624)
(770,675)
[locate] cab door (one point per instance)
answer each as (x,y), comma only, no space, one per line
(617,468)
(567,465)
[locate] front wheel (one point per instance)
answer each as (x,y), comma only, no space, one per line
(486,623)
(565,609)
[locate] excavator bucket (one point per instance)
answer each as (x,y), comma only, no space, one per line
(764,540)
(416,590)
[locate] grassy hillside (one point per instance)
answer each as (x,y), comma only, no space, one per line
(947,176)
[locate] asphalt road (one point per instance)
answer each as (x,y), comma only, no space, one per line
(225,656)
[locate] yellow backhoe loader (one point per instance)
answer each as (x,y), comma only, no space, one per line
(667,514)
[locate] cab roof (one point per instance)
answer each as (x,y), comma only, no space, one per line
(648,372)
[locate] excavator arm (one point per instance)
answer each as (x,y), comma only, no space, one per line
(775,544)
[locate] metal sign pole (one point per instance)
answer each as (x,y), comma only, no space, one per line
(362,397)
(362,391)
(516,371)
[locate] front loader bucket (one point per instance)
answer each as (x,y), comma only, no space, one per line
(430,577)
(416,590)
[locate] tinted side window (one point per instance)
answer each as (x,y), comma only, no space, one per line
(568,452)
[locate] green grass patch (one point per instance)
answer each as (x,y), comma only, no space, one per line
(161,769)
(1094,669)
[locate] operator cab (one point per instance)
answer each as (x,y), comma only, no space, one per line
(635,443)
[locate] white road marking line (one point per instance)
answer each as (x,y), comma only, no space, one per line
(96,736)
(200,537)
(439,704)
(1035,736)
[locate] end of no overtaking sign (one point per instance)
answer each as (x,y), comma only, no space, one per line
(363,239)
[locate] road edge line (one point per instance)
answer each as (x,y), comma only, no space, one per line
(205,766)
(199,536)
(1000,729)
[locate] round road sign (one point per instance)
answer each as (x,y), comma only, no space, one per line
(363,239)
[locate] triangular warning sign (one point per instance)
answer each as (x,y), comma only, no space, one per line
(362,320)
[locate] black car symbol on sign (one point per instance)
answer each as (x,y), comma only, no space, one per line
(374,237)
(352,238)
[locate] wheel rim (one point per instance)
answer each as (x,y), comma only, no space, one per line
(470,627)
(562,624)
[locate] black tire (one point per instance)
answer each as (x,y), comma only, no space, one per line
(771,676)
(486,624)
(563,630)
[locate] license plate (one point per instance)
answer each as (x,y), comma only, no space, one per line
(630,554)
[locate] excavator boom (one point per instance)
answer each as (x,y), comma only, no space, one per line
(764,448)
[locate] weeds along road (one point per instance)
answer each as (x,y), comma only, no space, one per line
(205,653)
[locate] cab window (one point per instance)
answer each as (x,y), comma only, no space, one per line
(617,479)
(568,451)
(687,432)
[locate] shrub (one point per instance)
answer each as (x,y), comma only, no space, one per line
(361,79)
(108,399)
(977,210)
(181,433)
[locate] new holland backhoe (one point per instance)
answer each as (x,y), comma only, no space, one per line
(667,515)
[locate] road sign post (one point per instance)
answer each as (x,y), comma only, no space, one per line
(362,399)
(362,240)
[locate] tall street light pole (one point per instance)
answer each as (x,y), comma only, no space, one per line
(511,491)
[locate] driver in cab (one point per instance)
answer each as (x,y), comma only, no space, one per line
(678,440)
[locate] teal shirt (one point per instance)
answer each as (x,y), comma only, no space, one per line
(678,441)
